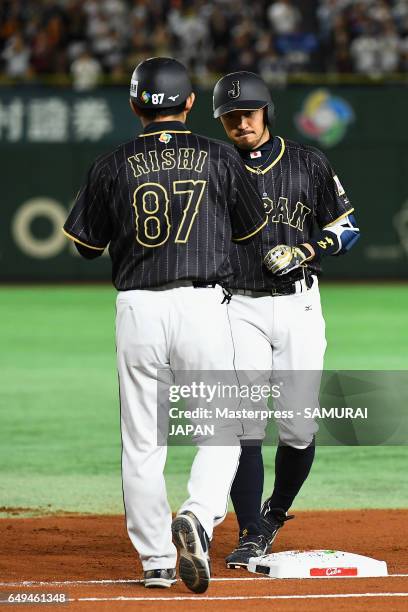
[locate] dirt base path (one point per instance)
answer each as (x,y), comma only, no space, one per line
(73,554)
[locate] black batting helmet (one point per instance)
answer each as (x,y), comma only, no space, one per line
(160,82)
(242,91)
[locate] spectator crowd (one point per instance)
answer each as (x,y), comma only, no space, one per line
(91,38)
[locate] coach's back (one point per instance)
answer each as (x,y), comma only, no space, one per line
(168,203)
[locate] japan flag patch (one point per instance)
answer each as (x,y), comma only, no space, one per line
(255,154)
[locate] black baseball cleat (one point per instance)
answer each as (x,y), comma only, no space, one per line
(248,546)
(159,578)
(272,519)
(193,544)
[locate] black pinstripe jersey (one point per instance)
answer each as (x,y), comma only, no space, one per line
(301,193)
(168,203)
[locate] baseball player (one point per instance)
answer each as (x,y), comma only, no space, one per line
(275,310)
(168,203)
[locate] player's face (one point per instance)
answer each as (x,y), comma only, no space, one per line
(246,128)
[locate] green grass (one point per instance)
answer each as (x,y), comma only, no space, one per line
(367,326)
(59,417)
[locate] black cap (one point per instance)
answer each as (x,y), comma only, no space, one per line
(240,91)
(160,82)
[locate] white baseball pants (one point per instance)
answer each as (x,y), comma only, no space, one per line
(182,328)
(282,334)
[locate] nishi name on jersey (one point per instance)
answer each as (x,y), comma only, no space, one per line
(185,158)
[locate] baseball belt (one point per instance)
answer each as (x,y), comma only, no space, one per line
(184,283)
(298,286)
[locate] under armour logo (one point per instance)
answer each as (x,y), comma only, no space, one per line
(235,91)
(307,308)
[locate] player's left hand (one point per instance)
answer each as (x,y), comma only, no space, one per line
(283,258)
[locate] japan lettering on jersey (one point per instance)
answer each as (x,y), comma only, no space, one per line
(301,194)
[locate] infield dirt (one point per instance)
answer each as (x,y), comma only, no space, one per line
(78,548)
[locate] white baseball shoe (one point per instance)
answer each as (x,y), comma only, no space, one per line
(159,578)
(192,543)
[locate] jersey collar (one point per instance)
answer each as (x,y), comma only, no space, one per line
(158,127)
(277,148)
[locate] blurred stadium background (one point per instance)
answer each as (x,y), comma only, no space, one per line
(338,71)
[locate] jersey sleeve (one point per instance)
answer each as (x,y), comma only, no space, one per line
(247,212)
(88,223)
(332,203)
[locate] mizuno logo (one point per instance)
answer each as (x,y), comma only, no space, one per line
(173,98)
(307,308)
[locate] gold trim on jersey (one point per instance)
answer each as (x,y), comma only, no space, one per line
(83,243)
(258,229)
(339,218)
(165,132)
(259,170)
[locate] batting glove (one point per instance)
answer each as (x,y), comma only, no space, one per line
(283,258)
